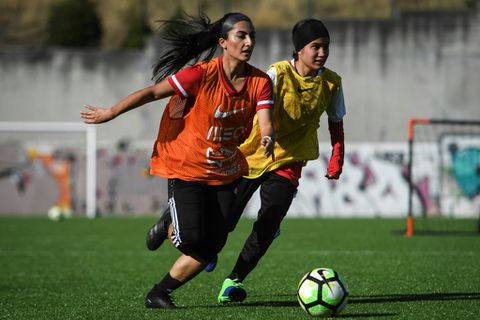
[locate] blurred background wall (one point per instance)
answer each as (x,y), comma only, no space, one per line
(392,59)
(398,59)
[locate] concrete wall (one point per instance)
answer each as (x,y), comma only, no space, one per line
(422,66)
(419,66)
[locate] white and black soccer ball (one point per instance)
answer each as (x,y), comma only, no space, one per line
(322,292)
(57,213)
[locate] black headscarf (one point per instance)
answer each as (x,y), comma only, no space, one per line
(305,31)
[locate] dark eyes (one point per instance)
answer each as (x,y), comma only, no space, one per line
(316,47)
(244,35)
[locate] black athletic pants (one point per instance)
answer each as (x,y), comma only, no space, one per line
(200,216)
(276,194)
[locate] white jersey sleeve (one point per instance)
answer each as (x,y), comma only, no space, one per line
(272,73)
(336,110)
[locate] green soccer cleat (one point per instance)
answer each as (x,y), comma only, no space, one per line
(232,291)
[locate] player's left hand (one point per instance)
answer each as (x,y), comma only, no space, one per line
(333,177)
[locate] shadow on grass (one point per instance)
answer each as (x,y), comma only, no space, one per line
(414,297)
(291,301)
(278,303)
(294,304)
(366,315)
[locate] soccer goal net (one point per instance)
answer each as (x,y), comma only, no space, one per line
(47,167)
(444,175)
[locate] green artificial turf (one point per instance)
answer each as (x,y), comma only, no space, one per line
(101,269)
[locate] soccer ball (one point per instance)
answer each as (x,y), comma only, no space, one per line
(322,292)
(57,213)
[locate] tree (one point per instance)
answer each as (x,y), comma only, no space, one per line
(74,23)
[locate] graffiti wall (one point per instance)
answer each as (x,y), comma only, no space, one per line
(373,184)
(34,179)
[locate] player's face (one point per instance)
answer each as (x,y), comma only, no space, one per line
(315,54)
(240,41)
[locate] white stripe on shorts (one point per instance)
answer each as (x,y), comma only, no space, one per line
(176,240)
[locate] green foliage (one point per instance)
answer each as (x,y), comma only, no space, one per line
(136,34)
(101,269)
(179,13)
(472,4)
(137,30)
(74,23)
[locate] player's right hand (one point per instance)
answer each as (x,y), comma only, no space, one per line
(268,145)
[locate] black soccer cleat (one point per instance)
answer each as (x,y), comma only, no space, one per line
(157,300)
(159,231)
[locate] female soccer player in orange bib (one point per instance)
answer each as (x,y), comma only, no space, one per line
(209,115)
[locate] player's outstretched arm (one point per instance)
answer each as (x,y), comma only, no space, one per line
(158,91)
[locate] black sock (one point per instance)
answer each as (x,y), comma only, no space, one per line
(234,276)
(241,270)
(168,284)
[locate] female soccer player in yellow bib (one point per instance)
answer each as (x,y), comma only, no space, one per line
(303,90)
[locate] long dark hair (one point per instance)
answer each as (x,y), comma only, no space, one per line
(191,39)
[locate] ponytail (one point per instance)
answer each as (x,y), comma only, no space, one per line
(191,39)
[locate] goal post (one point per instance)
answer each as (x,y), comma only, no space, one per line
(443,170)
(67,127)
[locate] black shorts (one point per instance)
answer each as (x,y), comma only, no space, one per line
(200,216)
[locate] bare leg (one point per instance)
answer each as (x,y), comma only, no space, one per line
(186,268)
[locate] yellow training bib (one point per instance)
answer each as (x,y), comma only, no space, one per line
(298,104)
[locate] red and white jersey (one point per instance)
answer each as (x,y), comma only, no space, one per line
(204,123)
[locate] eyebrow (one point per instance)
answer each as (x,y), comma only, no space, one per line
(321,43)
(244,32)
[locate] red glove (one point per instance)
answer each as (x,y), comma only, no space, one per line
(338,149)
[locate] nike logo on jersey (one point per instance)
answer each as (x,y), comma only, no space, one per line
(225,114)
